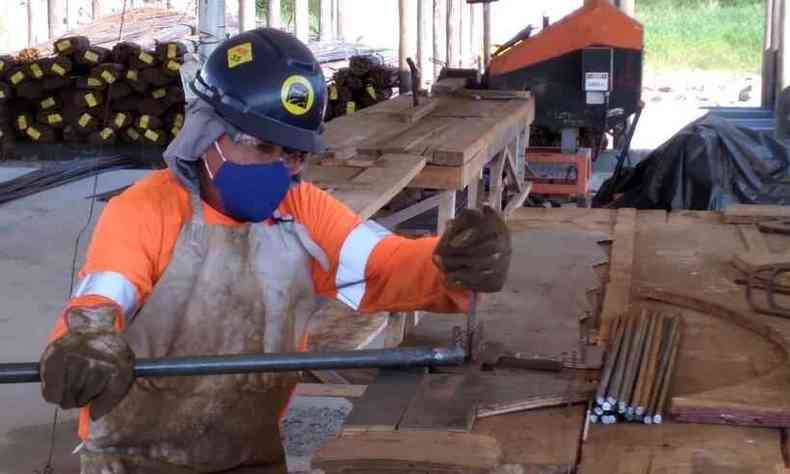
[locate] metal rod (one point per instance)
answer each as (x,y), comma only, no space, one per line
(634,361)
(641,376)
(652,364)
(283,362)
(619,370)
(667,378)
(666,352)
(611,353)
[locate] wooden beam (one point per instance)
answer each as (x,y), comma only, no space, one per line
(329,390)
(452,33)
(474,35)
(404,39)
(423,15)
(339,10)
(784,55)
(463,34)
(274,18)
(446,210)
(438,57)
(302,20)
(617,300)
(56,14)
(486,34)
(325,29)
(247,16)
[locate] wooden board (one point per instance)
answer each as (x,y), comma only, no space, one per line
(384,402)
(749,214)
(366,190)
(679,449)
(329,390)
(758,260)
(443,402)
(409,452)
(617,299)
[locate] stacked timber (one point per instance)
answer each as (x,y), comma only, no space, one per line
(638,370)
(83,93)
(365,82)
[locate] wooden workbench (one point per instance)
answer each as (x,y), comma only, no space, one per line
(458,135)
(731,358)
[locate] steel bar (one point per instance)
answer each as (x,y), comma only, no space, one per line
(652,364)
(667,378)
(666,352)
(254,363)
(617,379)
(633,362)
(639,381)
(611,357)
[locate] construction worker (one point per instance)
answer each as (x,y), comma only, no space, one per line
(227,252)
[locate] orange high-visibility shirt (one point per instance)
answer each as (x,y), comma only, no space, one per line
(370,270)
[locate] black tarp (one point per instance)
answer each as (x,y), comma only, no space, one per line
(708,165)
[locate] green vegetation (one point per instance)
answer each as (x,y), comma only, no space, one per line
(724,35)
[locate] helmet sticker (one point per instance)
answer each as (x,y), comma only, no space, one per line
(297,95)
(239,55)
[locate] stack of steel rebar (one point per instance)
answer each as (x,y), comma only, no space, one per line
(84,93)
(638,370)
(365,82)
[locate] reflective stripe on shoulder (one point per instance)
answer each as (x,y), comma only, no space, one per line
(354,254)
(111,285)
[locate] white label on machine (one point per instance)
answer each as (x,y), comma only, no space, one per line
(596,81)
(596,98)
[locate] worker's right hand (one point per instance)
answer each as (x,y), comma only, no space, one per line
(96,367)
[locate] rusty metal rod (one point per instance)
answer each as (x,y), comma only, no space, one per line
(641,371)
(667,379)
(666,352)
(634,360)
(652,364)
(622,359)
(611,357)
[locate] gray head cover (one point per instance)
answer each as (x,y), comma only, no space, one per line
(202,127)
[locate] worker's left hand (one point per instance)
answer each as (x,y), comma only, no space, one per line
(474,252)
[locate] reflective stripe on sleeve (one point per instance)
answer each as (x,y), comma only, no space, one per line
(354,254)
(111,285)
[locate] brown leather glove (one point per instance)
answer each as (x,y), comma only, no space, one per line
(474,252)
(96,367)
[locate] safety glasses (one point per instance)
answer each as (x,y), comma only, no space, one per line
(266,147)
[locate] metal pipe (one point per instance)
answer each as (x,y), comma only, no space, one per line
(611,357)
(254,363)
(667,378)
(634,360)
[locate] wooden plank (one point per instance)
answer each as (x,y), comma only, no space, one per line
(680,449)
(753,239)
(392,220)
(450,177)
(378,185)
(409,452)
(752,261)
(491,94)
(443,402)
(750,213)
(414,114)
(329,390)
(529,390)
(517,201)
(497,182)
(384,402)
(617,300)
(448,85)
(415,140)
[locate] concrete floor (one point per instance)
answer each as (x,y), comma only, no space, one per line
(37,236)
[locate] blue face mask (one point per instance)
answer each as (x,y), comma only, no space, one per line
(250,193)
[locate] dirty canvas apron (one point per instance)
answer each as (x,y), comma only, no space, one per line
(227,290)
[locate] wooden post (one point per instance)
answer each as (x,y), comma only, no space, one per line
(404,29)
(784,57)
(56,15)
(302,20)
(29,5)
(422,41)
(463,33)
(437,40)
(274,20)
(769,59)
(474,34)
(325,28)
(446,211)
(452,33)
(486,34)
(246,15)
(341,35)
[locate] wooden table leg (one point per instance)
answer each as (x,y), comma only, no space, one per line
(446,210)
(496,181)
(473,194)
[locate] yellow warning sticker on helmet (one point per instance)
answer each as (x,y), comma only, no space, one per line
(36,70)
(54,118)
(151,135)
(63,45)
(90,99)
(47,103)
(34,134)
(85,120)
(120,119)
(91,56)
(144,121)
(106,133)
(108,77)
(17,77)
(297,95)
(239,54)
(59,70)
